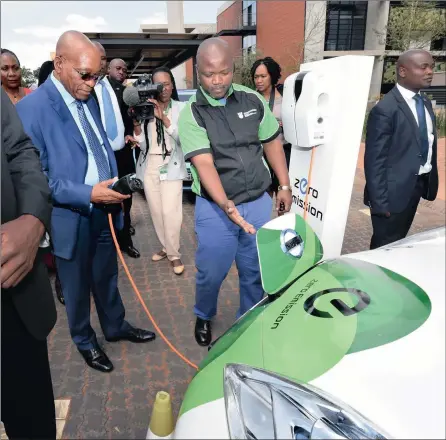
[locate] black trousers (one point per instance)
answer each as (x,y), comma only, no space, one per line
(275,181)
(27,398)
(387,230)
(126,165)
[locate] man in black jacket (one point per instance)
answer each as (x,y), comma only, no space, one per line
(28,310)
(400,160)
(119,128)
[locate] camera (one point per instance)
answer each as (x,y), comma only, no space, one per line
(143,89)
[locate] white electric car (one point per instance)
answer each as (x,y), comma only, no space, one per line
(352,347)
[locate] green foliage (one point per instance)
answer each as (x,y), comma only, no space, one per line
(28,78)
(414,24)
(389,75)
(441,123)
(242,69)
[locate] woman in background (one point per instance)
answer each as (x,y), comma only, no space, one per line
(164,167)
(12,76)
(266,74)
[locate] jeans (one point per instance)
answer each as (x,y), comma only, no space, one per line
(220,243)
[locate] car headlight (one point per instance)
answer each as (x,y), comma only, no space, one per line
(263,405)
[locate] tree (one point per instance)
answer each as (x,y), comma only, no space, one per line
(308,48)
(413,25)
(28,78)
(242,68)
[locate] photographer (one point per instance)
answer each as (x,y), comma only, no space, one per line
(164,168)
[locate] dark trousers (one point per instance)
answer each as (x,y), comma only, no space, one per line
(275,181)
(27,401)
(387,230)
(94,268)
(126,165)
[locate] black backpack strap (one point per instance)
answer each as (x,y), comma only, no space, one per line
(271,99)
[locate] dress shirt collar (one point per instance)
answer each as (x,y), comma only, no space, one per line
(407,94)
(68,99)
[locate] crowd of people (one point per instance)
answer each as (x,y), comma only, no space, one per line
(66,143)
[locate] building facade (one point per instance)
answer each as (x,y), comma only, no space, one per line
(293,32)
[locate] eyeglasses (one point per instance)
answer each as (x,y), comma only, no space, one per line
(85,76)
(88,76)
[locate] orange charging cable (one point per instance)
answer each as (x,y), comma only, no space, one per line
(309,183)
(138,294)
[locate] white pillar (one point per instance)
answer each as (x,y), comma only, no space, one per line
(315,23)
(175,25)
(377,18)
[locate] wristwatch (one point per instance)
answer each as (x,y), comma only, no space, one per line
(284,188)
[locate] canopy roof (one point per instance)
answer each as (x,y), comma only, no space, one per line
(144,52)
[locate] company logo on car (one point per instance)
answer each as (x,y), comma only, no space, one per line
(363,302)
(311,309)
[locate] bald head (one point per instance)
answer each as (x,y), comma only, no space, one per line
(77,64)
(118,70)
(103,56)
(414,69)
(212,48)
(72,44)
(215,67)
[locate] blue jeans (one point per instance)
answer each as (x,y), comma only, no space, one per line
(220,243)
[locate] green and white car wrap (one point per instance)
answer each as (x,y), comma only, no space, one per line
(366,328)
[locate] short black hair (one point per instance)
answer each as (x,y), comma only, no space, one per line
(172,79)
(45,71)
(273,68)
(10,52)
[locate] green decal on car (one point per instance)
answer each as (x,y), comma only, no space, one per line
(338,307)
(287,248)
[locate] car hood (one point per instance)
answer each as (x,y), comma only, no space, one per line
(368,328)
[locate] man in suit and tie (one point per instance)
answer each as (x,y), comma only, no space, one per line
(64,122)
(28,310)
(119,128)
(400,160)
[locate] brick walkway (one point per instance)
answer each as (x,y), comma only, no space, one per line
(118,405)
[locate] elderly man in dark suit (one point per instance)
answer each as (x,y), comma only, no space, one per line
(401,151)
(28,310)
(64,122)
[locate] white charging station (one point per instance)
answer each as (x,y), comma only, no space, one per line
(323,111)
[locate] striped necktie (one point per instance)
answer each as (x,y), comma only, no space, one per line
(98,153)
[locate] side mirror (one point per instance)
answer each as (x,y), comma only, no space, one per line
(287,247)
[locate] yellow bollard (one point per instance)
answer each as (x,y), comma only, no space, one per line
(161,423)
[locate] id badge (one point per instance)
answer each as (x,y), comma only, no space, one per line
(163,173)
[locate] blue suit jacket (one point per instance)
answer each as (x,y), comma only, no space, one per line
(393,155)
(63,154)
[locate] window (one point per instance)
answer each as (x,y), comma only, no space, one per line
(249,44)
(439,45)
(346,23)
(249,13)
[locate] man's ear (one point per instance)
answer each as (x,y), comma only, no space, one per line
(58,64)
(401,72)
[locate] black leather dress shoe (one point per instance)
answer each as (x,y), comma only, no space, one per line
(131,251)
(136,335)
(132,230)
(59,293)
(203,332)
(97,359)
